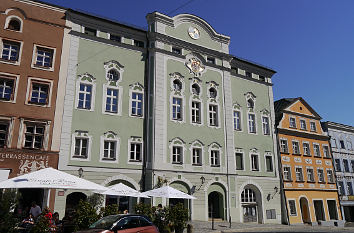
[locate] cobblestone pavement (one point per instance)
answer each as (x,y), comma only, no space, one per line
(223,227)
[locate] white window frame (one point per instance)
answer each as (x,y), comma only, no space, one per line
(136,140)
(85,135)
(140,92)
(309,148)
(18,62)
(194,109)
(197,145)
(307,174)
(7,21)
(286,143)
(290,126)
(110,137)
(104,99)
(288,172)
(313,123)
(319,150)
(328,152)
(93,94)
(215,147)
(266,126)
(34,58)
(41,81)
(252,164)
(9,121)
(302,174)
(298,146)
(15,78)
(177,142)
(235,120)
(214,112)
(291,214)
(332,181)
(268,155)
(318,175)
(175,155)
(240,151)
(44,143)
(175,106)
(255,123)
(303,127)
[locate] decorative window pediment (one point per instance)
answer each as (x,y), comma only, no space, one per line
(177,83)
(195,87)
(254,150)
(110,135)
(265,112)
(197,143)
(236,106)
(136,87)
(177,141)
(213,93)
(238,150)
(86,77)
(215,146)
(114,72)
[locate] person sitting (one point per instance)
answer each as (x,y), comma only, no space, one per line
(27,223)
(35,210)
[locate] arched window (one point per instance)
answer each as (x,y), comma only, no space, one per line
(248,196)
(113,75)
(14,24)
(250,103)
(195,89)
(212,92)
(177,85)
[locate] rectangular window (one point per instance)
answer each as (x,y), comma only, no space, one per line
(4,127)
(292,207)
(251,123)
(296,149)
(306,147)
(139,43)
(254,162)
(352,164)
(197,156)
(211,60)
(214,158)
(137,104)
(177,109)
(115,38)
(237,120)
(316,150)
(337,165)
(39,93)
(10,51)
(112,100)
(350,188)
(342,146)
(109,150)
(90,31)
(292,122)
(7,89)
(176,50)
(196,112)
(287,173)
(85,95)
(44,57)
(265,123)
(135,152)
(213,115)
(302,124)
(346,165)
(320,176)
(248,74)
(330,176)
(299,174)
(239,161)
(269,163)
(284,146)
(34,136)
(262,78)
(310,176)
(177,154)
(326,151)
(81,148)
(313,126)
(341,188)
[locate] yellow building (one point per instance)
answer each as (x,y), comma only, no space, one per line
(308,183)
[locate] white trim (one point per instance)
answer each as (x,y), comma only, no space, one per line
(16,78)
(292,199)
(201,111)
(177,142)
(219,152)
(255,122)
(10,129)
(193,146)
(240,151)
(131,91)
(268,154)
(115,139)
(104,99)
(34,57)
(85,136)
(292,117)
(93,93)
(136,140)
(22,131)
(269,125)
(233,119)
(308,207)
(254,152)
(9,18)
(16,63)
(323,207)
(30,82)
(218,126)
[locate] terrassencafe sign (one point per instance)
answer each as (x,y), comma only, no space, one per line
(21,163)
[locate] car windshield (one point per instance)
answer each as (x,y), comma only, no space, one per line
(105,222)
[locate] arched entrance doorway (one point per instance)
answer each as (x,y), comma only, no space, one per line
(216,201)
(72,200)
(251,203)
(183,187)
(305,212)
(123,202)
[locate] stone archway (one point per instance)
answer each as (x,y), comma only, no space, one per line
(217,201)
(72,200)
(183,187)
(251,204)
(123,202)
(305,211)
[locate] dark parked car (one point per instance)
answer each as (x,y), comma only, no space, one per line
(123,224)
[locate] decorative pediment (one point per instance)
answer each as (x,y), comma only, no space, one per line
(250,95)
(236,106)
(81,133)
(87,77)
(215,145)
(135,139)
(110,134)
(177,141)
(195,66)
(238,150)
(136,87)
(112,64)
(197,143)
(254,150)
(265,112)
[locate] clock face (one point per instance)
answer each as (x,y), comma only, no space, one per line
(193,33)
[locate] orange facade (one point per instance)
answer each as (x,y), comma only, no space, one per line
(307,169)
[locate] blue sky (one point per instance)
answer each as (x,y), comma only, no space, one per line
(310,43)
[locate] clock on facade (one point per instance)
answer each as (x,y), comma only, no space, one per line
(193,33)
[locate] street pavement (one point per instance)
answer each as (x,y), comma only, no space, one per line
(223,227)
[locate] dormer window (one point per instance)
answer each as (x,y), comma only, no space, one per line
(212,92)
(195,89)
(113,75)
(14,25)
(248,74)
(262,78)
(90,31)
(177,85)
(250,103)
(211,60)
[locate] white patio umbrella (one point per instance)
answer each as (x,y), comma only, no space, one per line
(122,190)
(50,178)
(168,192)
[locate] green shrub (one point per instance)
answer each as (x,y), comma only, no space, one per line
(41,226)
(8,200)
(178,217)
(109,210)
(144,209)
(85,215)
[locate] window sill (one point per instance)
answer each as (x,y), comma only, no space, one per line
(292,127)
(298,154)
(214,165)
(79,157)
(317,156)
(135,161)
(255,170)
(321,182)
(16,63)
(30,148)
(109,159)
(311,181)
(197,164)
(283,152)
(269,170)
(300,181)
